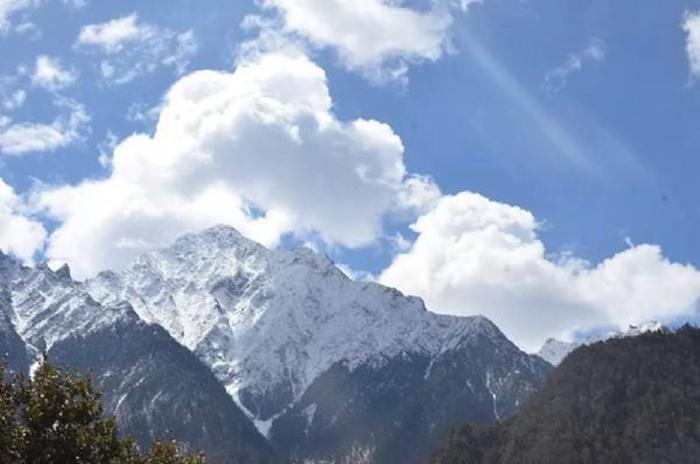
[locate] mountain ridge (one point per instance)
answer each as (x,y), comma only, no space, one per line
(240,287)
(273,323)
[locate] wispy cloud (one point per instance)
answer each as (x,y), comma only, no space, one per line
(51,75)
(129,48)
(12,95)
(114,34)
(691,25)
(21,138)
(557,137)
(9,8)
(14,15)
(543,121)
(556,79)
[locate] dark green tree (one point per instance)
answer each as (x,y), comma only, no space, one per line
(168,452)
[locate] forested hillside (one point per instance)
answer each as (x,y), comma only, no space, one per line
(628,400)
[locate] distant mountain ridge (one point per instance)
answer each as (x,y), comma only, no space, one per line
(322,365)
(554,351)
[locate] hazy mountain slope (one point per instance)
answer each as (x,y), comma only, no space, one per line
(633,399)
(554,351)
(276,327)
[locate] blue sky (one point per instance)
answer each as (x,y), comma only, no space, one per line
(570,128)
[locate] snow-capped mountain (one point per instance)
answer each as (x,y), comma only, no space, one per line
(232,336)
(45,307)
(554,351)
(277,326)
(148,380)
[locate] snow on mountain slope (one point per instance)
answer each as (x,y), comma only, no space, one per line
(47,306)
(270,322)
(554,351)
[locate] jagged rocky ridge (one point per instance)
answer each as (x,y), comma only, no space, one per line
(323,365)
(154,386)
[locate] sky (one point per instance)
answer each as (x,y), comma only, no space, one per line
(533,161)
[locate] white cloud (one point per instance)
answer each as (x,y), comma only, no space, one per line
(130,48)
(22,137)
(474,255)
(49,74)
(113,35)
(258,148)
(378,38)
(77,4)
(142,113)
(466,4)
(557,79)
(19,235)
(12,95)
(106,148)
(691,25)
(26,137)
(28,29)
(13,100)
(8,8)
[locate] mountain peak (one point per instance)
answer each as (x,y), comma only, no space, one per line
(211,241)
(223,231)
(63,272)
(270,322)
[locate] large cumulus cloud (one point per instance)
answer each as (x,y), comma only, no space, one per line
(475,255)
(258,148)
